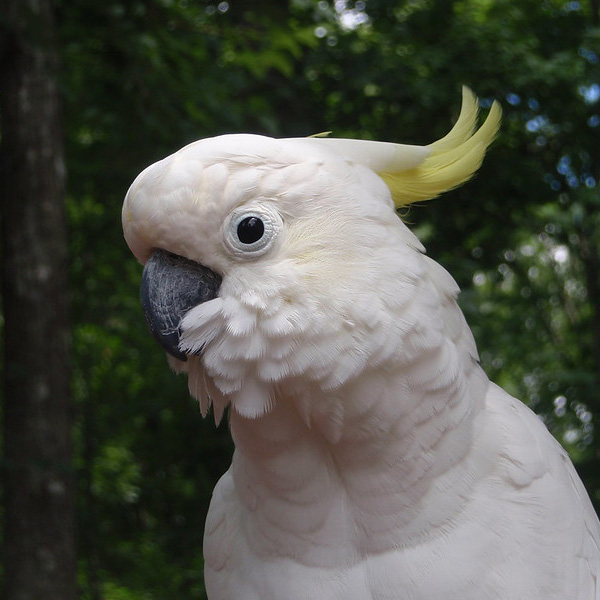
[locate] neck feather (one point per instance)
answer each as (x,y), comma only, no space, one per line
(353,470)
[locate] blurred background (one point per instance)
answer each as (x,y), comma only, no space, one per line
(123,83)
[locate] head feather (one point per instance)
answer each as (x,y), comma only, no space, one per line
(452,160)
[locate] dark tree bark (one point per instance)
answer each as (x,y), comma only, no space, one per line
(39,532)
(595,12)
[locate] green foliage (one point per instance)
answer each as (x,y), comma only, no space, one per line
(143,78)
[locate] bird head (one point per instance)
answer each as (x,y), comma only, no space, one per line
(275,264)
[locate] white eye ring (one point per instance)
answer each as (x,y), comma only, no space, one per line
(250,231)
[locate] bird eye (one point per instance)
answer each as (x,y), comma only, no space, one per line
(251,232)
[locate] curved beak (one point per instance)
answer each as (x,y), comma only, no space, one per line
(171,286)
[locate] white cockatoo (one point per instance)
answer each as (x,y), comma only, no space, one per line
(374,459)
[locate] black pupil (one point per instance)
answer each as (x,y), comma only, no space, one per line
(250,230)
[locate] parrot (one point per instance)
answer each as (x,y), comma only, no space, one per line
(374,459)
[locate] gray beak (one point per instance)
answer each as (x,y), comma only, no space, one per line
(171,286)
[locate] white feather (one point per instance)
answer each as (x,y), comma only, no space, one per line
(374,459)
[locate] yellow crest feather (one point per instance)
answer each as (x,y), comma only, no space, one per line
(453,159)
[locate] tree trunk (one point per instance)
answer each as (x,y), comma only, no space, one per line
(39,532)
(595,12)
